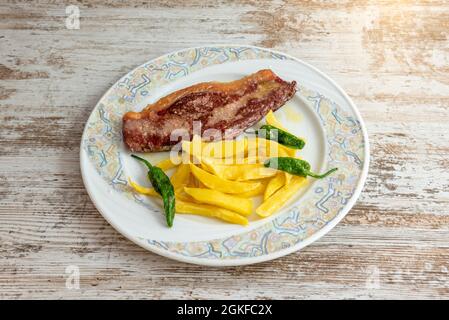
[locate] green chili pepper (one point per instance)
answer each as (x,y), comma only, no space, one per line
(162,185)
(295,166)
(283,137)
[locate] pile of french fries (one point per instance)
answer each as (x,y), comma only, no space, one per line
(220,179)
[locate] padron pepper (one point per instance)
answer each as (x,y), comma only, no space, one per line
(285,138)
(162,185)
(297,167)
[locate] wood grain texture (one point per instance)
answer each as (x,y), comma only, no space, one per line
(392,57)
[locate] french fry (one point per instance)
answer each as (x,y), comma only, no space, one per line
(257,173)
(241,172)
(277,200)
(288,176)
(271,120)
(201,185)
(288,151)
(263,149)
(192,182)
(180,194)
(274,184)
(259,190)
(243,206)
(231,172)
(215,179)
(210,211)
(209,163)
(251,160)
(180,178)
(167,164)
(225,148)
(222,151)
(220,184)
(143,190)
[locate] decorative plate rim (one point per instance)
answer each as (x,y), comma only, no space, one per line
(240,260)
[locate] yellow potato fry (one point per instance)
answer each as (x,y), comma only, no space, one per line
(240,159)
(224,148)
(251,160)
(220,184)
(288,177)
(143,190)
(271,120)
(263,149)
(223,151)
(201,185)
(231,172)
(275,184)
(167,164)
(290,152)
(234,172)
(210,211)
(259,190)
(243,206)
(257,173)
(180,194)
(192,182)
(180,178)
(284,153)
(277,200)
(209,163)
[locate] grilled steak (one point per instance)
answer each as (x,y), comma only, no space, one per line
(231,107)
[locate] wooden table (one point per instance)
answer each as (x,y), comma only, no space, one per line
(391,57)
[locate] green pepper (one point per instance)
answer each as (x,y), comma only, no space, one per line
(283,137)
(162,185)
(295,166)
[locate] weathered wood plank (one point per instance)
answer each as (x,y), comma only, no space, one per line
(391,57)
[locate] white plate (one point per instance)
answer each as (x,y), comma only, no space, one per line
(320,111)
